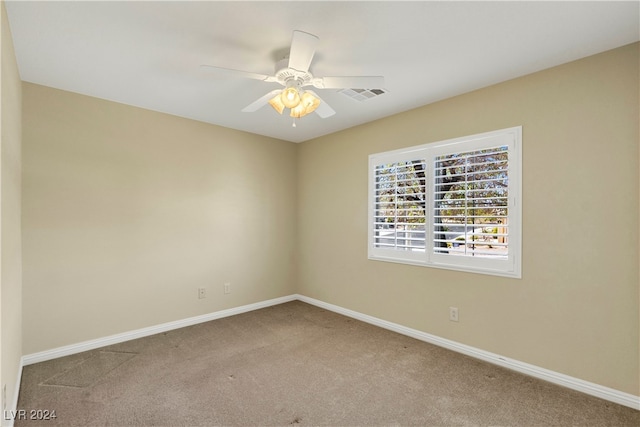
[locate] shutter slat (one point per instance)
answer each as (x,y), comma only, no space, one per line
(476,200)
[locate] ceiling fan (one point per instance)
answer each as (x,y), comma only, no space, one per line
(293,73)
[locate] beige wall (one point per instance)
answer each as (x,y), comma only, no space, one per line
(10,237)
(127,212)
(575,310)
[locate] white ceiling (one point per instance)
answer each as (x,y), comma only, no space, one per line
(148,53)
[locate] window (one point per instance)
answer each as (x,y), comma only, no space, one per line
(452,204)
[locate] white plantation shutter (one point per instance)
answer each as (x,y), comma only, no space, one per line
(451,204)
(399,218)
(471,198)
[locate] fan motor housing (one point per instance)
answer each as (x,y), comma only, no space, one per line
(285,75)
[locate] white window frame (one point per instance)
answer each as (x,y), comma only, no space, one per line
(510,266)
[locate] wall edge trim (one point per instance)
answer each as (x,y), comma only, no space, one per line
(12,411)
(67,350)
(557,378)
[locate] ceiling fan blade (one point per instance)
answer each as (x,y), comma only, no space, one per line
(323,110)
(303,47)
(260,102)
(229,72)
(355,82)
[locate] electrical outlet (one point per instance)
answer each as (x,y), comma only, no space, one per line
(202,293)
(227,288)
(453,314)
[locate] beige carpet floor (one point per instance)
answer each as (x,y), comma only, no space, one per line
(296,364)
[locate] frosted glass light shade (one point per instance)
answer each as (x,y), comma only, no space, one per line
(276,103)
(290,97)
(308,104)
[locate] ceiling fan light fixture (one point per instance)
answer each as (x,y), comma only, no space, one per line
(276,103)
(292,72)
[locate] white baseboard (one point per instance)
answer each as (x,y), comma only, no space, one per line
(577,384)
(586,387)
(145,332)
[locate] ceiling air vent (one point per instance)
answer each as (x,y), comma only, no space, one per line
(362,94)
